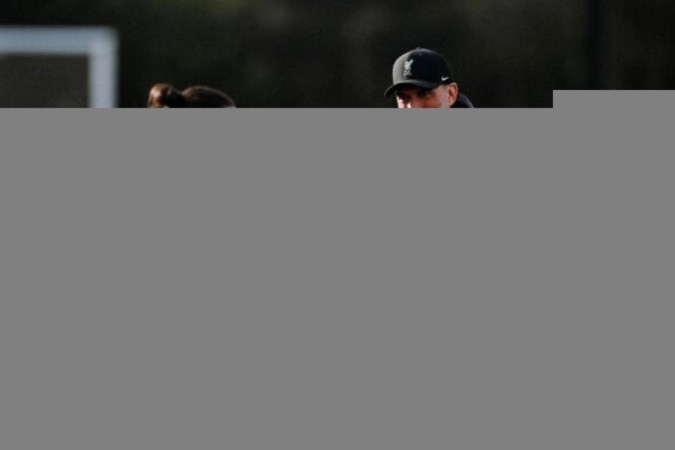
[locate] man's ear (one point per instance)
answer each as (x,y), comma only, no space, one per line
(453,93)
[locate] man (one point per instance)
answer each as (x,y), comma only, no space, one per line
(422,79)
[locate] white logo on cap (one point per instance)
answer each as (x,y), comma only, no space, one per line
(407,68)
(445,78)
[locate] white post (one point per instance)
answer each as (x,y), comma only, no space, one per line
(97,44)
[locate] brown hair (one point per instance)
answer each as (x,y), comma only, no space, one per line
(164,95)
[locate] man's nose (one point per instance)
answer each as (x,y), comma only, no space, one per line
(415,103)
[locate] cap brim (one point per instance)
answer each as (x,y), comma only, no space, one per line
(419,83)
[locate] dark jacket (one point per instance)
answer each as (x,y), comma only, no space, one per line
(462,102)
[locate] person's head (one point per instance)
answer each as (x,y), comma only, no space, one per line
(421,78)
(164,95)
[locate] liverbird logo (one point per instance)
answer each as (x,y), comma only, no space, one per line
(407,68)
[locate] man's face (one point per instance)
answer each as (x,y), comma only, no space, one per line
(442,96)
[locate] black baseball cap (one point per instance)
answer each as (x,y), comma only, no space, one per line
(420,67)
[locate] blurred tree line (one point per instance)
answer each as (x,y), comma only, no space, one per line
(302,53)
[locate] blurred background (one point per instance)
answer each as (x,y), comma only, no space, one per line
(301,53)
